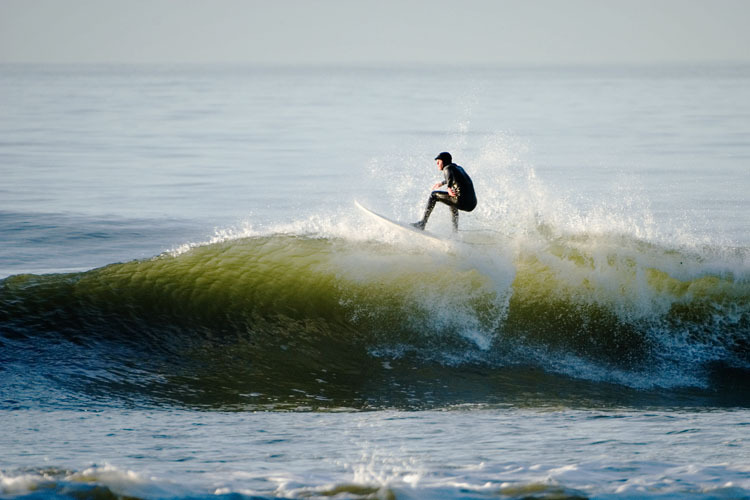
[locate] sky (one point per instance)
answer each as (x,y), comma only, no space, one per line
(363,32)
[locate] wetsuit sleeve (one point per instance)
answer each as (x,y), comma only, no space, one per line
(450,178)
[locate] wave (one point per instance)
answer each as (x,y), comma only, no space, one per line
(294,320)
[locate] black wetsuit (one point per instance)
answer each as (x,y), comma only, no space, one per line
(457,179)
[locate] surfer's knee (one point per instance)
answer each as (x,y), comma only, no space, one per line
(443,197)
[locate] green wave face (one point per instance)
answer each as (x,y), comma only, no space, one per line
(291,320)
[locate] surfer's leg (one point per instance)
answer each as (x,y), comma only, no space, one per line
(427,211)
(454,218)
(437,196)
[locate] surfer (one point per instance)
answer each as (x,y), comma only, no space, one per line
(459,196)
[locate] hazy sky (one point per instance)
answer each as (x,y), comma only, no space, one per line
(375,32)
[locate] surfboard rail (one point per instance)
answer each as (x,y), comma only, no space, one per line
(403,226)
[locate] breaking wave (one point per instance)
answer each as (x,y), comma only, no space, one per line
(290,320)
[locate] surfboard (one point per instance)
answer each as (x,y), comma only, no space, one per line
(401,226)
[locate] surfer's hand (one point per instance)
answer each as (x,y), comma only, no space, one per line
(452,192)
(439,184)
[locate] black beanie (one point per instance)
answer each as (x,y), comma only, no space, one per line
(446,157)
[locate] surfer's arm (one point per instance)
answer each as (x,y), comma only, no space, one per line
(450,179)
(451,191)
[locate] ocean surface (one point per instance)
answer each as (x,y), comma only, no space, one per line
(192,307)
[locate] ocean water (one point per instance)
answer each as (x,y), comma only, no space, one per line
(191,305)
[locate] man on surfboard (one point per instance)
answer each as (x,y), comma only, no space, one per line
(459,196)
